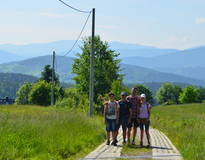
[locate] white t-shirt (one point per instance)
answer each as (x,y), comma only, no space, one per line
(112,110)
(143,110)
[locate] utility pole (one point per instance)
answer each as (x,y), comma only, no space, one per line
(53,74)
(91,92)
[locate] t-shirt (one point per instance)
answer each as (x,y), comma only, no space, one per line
(135,105)
(112,110)
(144,110)
(124,109)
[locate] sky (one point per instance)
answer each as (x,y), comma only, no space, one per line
(178,24)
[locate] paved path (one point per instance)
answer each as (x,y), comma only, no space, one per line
(162,148)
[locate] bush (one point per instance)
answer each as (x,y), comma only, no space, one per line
(22,94)
(72,99)
(40,93)
(189,95)
(203,101)
(168,93)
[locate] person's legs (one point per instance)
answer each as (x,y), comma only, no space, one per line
(147,132)
(108,129)
(142,133)
(124,124)
(136,124)
(108,138)
(134,134)
(129,131)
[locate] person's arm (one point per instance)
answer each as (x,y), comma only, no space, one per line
(130,110)
(118,113)
(105,112)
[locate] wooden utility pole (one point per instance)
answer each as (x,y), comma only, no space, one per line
(53,74)
(91,92)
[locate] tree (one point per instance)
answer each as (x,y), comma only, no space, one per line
(117,87)
(106,67)
(200,94)
(22,94)
(168,94)
(40,93)
(46,75)
(188,95)
(143,89)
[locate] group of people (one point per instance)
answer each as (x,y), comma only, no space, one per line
(130,112)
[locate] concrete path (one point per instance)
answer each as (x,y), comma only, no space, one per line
(162,148)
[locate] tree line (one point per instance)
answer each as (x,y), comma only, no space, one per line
(107,78)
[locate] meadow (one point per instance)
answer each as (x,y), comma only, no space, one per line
(185,126)
(33,132)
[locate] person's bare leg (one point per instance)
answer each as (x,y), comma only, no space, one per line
(141,137)
(148,137)
(108,138)
(128,134)
(134,134)
(124,135)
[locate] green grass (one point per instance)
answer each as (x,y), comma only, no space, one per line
(185,126)
(32,132)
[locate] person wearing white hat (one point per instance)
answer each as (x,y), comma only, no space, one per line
(144,119)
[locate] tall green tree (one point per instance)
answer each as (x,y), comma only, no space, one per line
(188,95)
(22,95)
(106,67)
(117,87)
(46,75)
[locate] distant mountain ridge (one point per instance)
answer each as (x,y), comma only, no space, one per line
(61,47)
(6,57)
(133,74)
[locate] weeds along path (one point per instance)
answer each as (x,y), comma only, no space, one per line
(162,148)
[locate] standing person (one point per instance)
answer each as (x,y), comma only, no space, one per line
(111,115)
(144,118)
(134,123)
(125,113)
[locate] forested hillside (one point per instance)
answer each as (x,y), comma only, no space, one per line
(10,83)
(63,67)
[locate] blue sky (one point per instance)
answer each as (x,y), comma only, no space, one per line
(161,23)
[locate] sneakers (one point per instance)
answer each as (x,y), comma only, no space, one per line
(114,143)
(108,142)
(141,144)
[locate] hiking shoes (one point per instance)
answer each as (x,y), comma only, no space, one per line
(141,144)
(108,142)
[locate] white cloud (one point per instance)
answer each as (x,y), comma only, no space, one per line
(200,20)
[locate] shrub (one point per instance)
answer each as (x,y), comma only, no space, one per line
(189,95)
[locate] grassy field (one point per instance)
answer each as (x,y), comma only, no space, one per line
(185,126)
(28,132)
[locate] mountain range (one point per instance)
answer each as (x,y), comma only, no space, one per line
(187,63)
(133,74)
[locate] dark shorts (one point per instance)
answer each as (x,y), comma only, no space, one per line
(123,123)
(144,124)
(111,125)
(134,123)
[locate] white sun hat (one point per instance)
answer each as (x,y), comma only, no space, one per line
(143,95)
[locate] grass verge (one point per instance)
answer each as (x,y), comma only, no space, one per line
(31,132)
(185,126)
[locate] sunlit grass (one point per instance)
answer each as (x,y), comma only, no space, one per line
(185,126)
(32,132)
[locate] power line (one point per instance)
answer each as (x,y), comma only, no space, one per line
(76,9)
(79,36)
